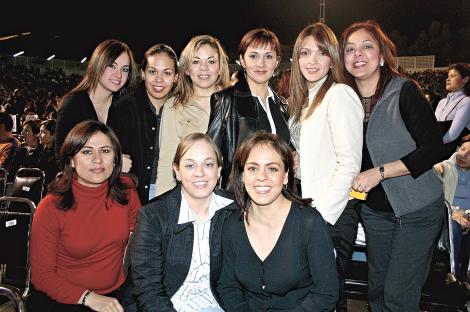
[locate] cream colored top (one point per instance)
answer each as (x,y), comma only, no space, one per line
(176,123)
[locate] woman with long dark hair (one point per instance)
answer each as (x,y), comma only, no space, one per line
(81,228)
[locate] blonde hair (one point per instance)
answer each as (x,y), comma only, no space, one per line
(184,86)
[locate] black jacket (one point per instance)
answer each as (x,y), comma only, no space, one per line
(135,125)
(235,116)
(161,251)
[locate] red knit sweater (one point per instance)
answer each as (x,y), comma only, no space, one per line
(82,248)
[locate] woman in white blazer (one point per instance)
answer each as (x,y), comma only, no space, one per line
(326,129)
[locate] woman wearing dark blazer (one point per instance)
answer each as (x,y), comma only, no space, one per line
(250,105)
(176,255)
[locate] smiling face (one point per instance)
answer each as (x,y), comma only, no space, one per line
(198,171)
(362,56)
(455,82)
(204,69)
(264,176)
(159,76)
(314,64)
(115,75)
(259,62)
(95,161)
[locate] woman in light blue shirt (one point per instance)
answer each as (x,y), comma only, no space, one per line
(453,112)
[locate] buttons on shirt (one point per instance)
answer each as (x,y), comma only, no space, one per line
(153,128)
(148,167)
(151,147)
(146,187)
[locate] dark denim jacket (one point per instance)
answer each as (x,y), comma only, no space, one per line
(161,250)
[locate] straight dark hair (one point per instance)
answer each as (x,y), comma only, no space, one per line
(73,143)
(279,146)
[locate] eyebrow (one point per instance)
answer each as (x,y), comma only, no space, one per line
(268,164)
(190,159)
(88,146)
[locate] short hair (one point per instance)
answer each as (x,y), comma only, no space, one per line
(6,120)
(73,143)
(282,148)
(260,37)
(35,124)
(464,70)
(188,141)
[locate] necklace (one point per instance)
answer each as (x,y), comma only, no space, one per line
(202,96)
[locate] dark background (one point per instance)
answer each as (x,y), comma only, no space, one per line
(71,29)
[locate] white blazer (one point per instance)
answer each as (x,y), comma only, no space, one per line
(331,150)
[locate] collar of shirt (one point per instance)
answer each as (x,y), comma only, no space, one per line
(186,214)
(453,95)
(312,92)
(270,95)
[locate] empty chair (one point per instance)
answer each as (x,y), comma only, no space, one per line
(29,183)
(14,243)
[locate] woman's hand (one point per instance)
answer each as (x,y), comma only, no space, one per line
(366,180)
(102,303)
(461,218)
(126,163)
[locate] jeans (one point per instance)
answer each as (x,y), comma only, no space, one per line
(399,253)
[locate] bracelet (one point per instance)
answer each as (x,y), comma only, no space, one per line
(382,172)
(86,295)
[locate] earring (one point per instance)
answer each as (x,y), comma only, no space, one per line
(285,187)
(382,63)
(114,165)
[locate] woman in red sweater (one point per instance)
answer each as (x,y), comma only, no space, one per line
(81,228)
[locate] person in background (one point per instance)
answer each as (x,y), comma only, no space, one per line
(453,112)
(277,252)
(176,253)
(282,87)
(326,129)
(136,117)
(27,155)
(81,228)
(111,68)
(404,209)
(203,70)
(8,143)
(47,160)
(250,105)
(455,173)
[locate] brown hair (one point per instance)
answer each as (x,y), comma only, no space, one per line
(103,56)
(464,70)
(387,49)
(328,44)
(279,146)
(184,85)
(73,143)
(259,37)
(188,141)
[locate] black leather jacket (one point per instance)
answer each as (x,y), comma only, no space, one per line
(235,116)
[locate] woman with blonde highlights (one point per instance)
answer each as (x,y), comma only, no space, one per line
(326,129)
(203,70)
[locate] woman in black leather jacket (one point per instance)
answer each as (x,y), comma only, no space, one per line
(250,105)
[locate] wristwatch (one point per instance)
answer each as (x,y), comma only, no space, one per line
(382,174)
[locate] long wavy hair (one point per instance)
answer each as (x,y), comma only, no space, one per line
(73,143)
(328,44)
(102,57)
(387,49)
(184,85)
